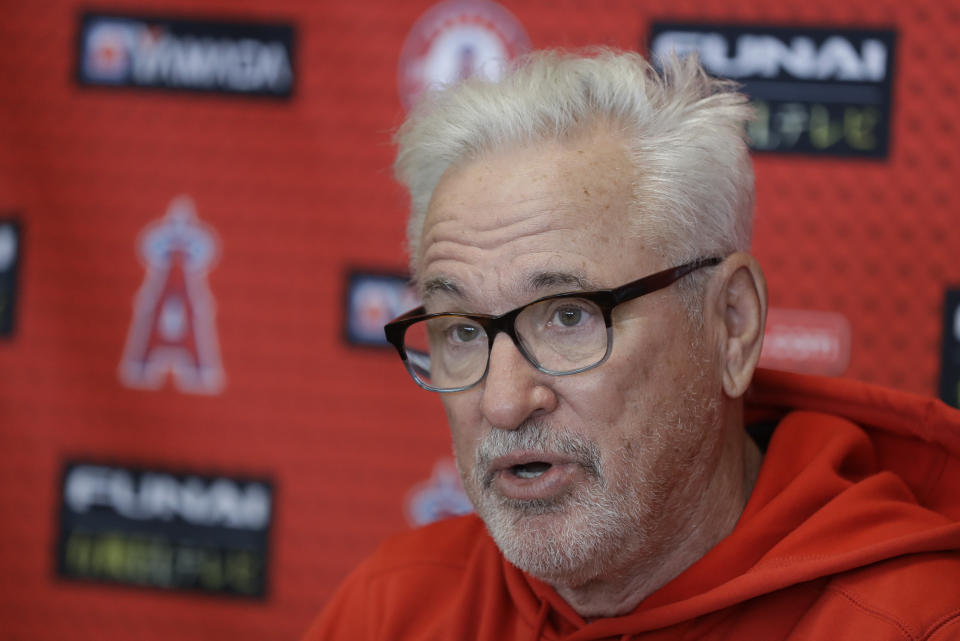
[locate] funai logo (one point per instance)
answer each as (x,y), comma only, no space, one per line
(815,90)
(759,55)
(153,495)
(173,330)
(164,529)
(239,58)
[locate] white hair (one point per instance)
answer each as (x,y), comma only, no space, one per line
(693,190)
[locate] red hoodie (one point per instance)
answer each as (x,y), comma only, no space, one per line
(852,533)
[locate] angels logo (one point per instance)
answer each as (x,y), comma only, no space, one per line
(173,329)
(455,40)
(438,498)
(109,47)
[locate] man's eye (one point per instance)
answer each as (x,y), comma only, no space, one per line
(568,316)
(465,333)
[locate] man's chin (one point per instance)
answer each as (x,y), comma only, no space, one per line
(543,539)
(550,563)
(539,521)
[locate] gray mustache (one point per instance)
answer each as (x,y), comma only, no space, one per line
(538,437)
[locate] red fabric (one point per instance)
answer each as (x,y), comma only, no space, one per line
(852,533)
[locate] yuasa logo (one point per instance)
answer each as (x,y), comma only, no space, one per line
(373,300)
(207,63)
(237,58)
(173,328)
(159,496)
(758,55)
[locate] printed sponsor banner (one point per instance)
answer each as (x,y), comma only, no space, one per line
(805,341)
(373,300)
(816,90)
(950,359)
(458,39)
(173,330)
(240,58)
(156,528)
(9,268)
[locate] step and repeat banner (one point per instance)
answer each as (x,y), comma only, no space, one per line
(201,427)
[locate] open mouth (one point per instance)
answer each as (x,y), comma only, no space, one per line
(530,470)
(525,476)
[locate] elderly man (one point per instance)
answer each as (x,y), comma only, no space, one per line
(593,324)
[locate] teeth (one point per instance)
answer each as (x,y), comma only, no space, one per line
(531,470)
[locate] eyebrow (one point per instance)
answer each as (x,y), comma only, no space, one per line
(551,280)
(441,285)
(536,284)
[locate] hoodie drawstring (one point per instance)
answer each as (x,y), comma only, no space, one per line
(541,620)
(542,623)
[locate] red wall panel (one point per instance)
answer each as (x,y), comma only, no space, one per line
(299,192)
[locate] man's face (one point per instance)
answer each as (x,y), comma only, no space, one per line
(575,476)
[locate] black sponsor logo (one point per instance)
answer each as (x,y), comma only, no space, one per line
(372,300)
(815,90)
(9,267)
(242,58)
(161,529)
(950,360)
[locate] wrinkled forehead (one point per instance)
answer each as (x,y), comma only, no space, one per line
(596,157)
(553,213)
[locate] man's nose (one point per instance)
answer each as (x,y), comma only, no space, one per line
(514,390)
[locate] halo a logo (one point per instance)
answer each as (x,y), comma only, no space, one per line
(439,497)
(173,330)
(455,40)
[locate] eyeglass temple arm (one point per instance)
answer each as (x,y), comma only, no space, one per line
(660,280)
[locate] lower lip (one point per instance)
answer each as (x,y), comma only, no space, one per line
(555,481)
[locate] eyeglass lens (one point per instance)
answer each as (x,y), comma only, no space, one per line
(558,335)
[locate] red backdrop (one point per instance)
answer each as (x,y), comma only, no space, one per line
(299,193)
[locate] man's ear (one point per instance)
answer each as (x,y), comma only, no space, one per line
(738,299)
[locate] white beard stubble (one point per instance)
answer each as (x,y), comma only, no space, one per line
(569,539)
(612,523)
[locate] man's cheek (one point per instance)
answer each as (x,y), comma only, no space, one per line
(465,435)
(596,403)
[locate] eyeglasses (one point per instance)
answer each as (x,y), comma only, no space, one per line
(559,335)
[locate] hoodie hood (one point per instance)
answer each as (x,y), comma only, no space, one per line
(854,474)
